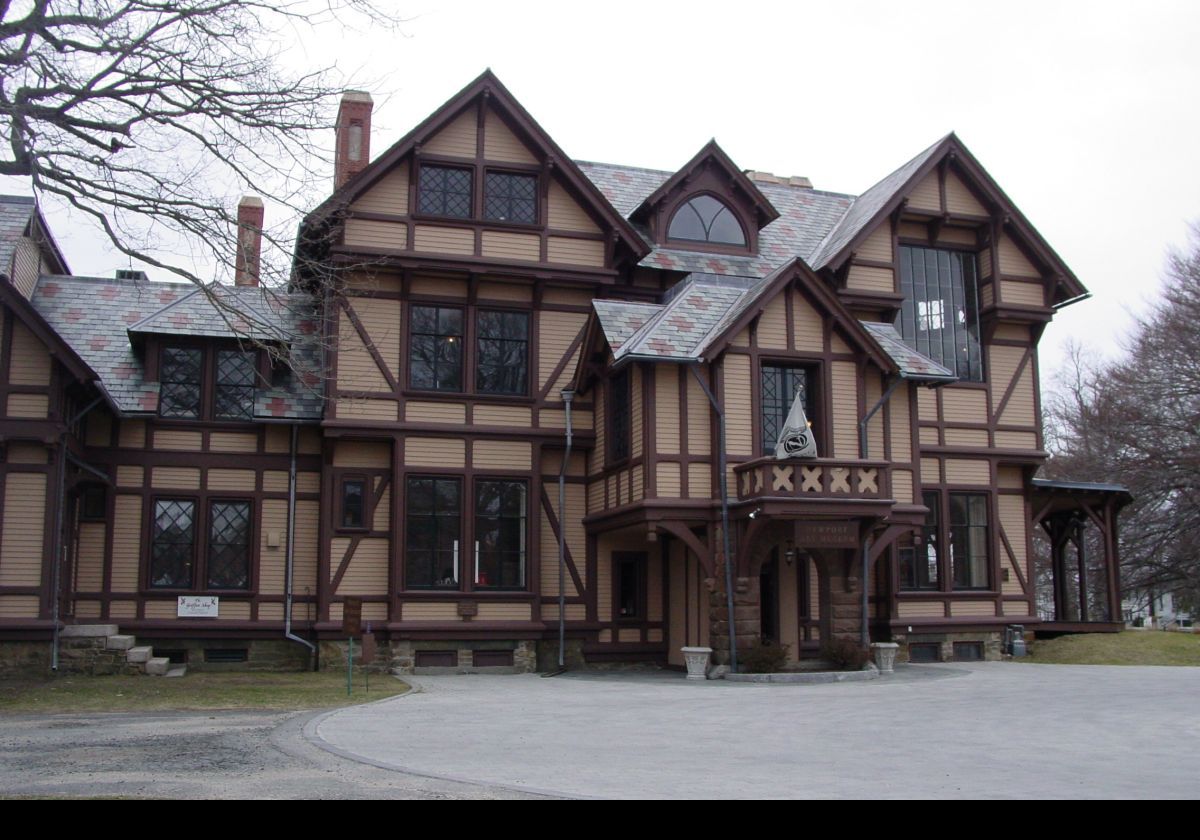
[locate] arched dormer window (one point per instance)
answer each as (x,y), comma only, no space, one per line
(706,219)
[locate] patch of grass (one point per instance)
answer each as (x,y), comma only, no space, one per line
(1131,647)
(197,690)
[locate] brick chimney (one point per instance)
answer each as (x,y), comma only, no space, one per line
(353,148)
(249,245)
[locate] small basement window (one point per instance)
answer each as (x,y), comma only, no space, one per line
(226,655)
(968,651)
(925,653)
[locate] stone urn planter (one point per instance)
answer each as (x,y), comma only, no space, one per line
(885,656)
(697,661)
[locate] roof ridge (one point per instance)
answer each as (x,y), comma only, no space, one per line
(134,327)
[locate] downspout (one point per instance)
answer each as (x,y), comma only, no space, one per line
(290,552)
(733,663)
(865,448)
(567,396)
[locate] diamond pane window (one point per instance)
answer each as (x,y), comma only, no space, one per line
(705,219)
(500,517)
(236,378)
(509,197)
(179,382)
(435,348)
(780,385)
(172,544)
(229,545)
(502,352)
(445,191)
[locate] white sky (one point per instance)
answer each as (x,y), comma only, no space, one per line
(1085,113)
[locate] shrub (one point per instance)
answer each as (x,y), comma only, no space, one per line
(845,654)
(763,657)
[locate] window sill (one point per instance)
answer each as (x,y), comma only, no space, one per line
(459,396)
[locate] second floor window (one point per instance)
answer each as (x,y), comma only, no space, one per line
(445,191)
(234,393)
(510,197)
(501,352)
(180,382)
(196,384)
(500,340)
(780,386)
(940,313)
(435,348)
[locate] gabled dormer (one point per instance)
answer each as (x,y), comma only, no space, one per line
(708,205)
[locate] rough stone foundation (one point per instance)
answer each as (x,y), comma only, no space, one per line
(992,644)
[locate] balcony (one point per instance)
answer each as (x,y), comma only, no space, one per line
(825,481)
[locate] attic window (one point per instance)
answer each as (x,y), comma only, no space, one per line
(706,219)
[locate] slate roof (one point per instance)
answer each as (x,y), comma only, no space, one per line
(101,318)
(620,319)
(912,364)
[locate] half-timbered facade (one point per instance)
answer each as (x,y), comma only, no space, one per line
(393,428)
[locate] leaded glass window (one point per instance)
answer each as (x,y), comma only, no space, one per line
(500,534)
(940,313)
(229,545)
(352,503)
(780,385)
(179,377)
(433,523)
(969,540)
(236,378)
(919,558)
(619,422)
(172,544)
(502,352)
(435,348)
(445,191)
(510,197)
(705,219)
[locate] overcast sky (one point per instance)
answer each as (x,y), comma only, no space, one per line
(1085,113)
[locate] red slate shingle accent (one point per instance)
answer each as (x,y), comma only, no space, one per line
(50,289)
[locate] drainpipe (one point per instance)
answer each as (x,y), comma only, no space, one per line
(290,552)
(567,396)
(716,407)
(864,447)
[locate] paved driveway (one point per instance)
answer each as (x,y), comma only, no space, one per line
(984,730)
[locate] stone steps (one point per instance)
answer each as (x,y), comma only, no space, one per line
(110,651)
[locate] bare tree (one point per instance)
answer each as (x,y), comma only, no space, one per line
(153,116)
(1136,421)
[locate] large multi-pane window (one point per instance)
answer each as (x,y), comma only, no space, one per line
(501,352)
(197,383)
(958,521)
(173,544)
(236,377)
(919,556)
(227,551)
(180,382)
(510,197)
(940,313)
(780,386)
(433,533)
(435,348)
(969,540)
(228,545)
(445,191)
(500,534)
(501,358)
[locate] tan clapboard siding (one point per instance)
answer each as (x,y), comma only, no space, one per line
(130,476)
(962,405)
(838,344)
(667,477)
(389,195)
(921,610)
(877,246)
(502,455)
(902,486)
(503,415)
(564,213)
(549,567)
(985,263)
(987,294)
(126,551)
(929,436)
(1011,332)
(626,635)
(1028,294)
(556,331)
(439,286)
(18,606)
(638,483)
(122,609)
(28,405)
(89,563)
(270,612)
(175,478)
(21,541)
(505,291)
(458,139)
(242,480)
(570,297)
(1020,407)
(901,425)
(927,404)
(272,562)
(511,246)
(444,240)
(959,199)
(499,143)
(666,408)
(1010,478)
(277,439)
(356,409)
(371,233)
(1016,440)
(554,418)
(967,437)
(27,453)
(372,282)
(367,573)
(931,471)
(1015,608)
(430,611)
(1012,520)
(174,439)
(504,612)
(700,481)
(600,449)
(874,428)
(926,195)
(30,363)
(589,252)
(962,471)
(98,431)
(26,265)
(304,568)
(872,279)
(381,321)
(169,609)
(914,230)
(772,325)
(235,610)
(363,454)
(636,410)
(739,408)
(356,367)
(432,412)
(807,325)
(575,612)
(1013,262)
(308,482)
(972,608)
(742,339)
(435,452)
(383,511)
(845,410)
(87,609)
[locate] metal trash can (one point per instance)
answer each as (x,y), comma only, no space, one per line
(1014,640)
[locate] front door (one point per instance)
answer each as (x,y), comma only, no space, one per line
(768,598)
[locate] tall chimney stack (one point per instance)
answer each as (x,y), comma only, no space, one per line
(353,149)
(249,240)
